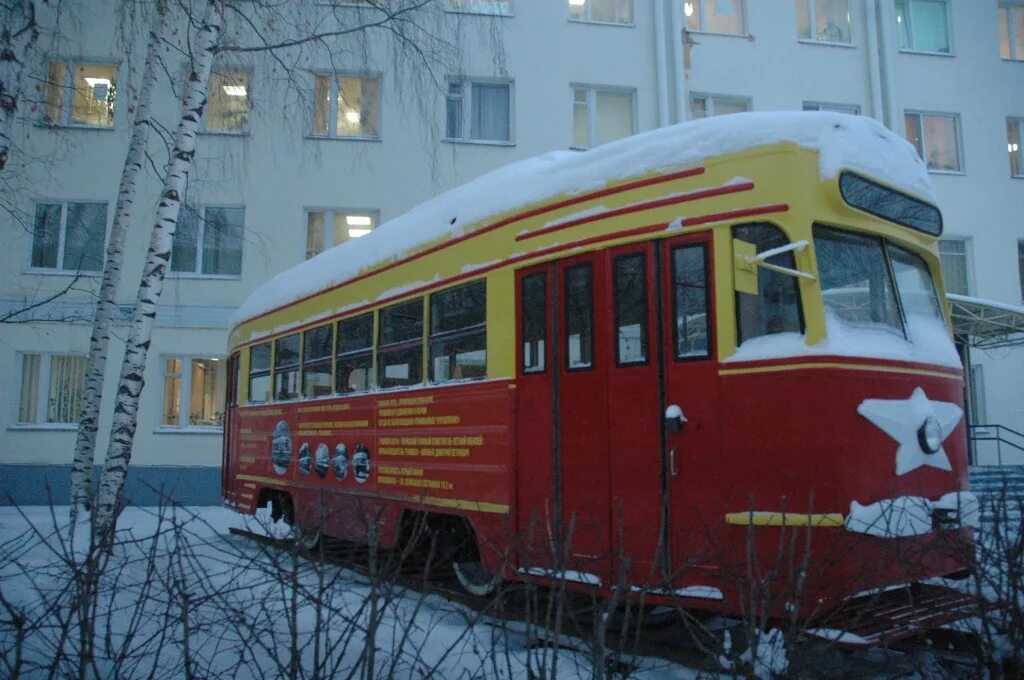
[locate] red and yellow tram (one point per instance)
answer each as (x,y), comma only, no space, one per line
(646,366)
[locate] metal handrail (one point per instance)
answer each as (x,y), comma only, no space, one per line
(997,437)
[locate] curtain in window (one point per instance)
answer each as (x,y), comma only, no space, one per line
(84,236)
(724,16)
(941,143)
(67,380)
(206,393)
(928,21)
(953,259)
(46,236)
(453,129)
(27,405)
(222,241)
(490,119)
(614,116)
(186,236)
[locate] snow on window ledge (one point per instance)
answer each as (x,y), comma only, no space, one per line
(43,427)
(189,430)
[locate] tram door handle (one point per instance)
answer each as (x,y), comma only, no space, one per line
(672,469)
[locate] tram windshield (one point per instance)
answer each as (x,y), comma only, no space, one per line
(867,282)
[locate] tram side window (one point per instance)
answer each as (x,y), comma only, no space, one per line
(690,301)
(400,345)
(534,316)
(317,345)
(458,333)
(579,317)
(354,348)
(286,367)
(776,307)
(630,274)
(855,282)
(915,286)
(259,372)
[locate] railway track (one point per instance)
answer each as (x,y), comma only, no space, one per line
(683,637)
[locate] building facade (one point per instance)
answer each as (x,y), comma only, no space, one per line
(290,163)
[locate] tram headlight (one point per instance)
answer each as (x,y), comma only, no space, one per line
(929,435)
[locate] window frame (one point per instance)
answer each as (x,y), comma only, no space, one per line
(307,363)
(1015,146)
(910,31)
(185,394)
(466,98)
(618,307)
(59,269)
(278,367)
(328,232)
(592,92)
(42,398)
(789,261)
(540,364)
(745,31)
(437,338)
(333,101)
(362,352)
(709,103)
(923,151)
(397,346)
(968,261)
(709,325)
(586,19)
(68,90)
(567,311)
(1010,8)
(811,19)
(267,372)
(825,107)
(507,11)
(221,69)
(197,273)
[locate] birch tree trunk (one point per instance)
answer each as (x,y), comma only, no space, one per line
(125,421)
(18,36)
(85,444)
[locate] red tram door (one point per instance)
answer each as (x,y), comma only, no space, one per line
(606,341)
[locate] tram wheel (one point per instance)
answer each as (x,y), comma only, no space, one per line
(475,579)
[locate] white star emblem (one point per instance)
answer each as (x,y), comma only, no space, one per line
(902,419)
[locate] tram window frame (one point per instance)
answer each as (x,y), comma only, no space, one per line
(458,328)
(585,345)
(286,372)
(260,369)
(407,347)
(766,280)
(533,315)
(315,358)
(633,309)
(353,351)
(679,341)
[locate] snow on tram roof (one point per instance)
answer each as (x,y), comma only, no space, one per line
(842,141)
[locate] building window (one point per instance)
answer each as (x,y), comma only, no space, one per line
(346,106)
(1015,145)
(193,392)
(328,228)
(923,25)
(458,333)
(703,106)
(602,115)
(80,94)
(1020,266)
(492,7)
(51,388)
(227,109)
(955,265)
(833,108)
(479,111)
(823,20)
(69,236)
(606,11)
(936,136)
(208,241)
(1011,31)
(715,16)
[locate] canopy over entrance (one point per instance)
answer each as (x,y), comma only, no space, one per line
(984,324)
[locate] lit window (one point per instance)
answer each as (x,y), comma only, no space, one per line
(80,94)
(227,109)
(602,115)
(607,11)
(955,265)
(703,106)
(1015,145)
(923,25)
(193,392)
(493,7)
(833,108)
(327,228)
(936,136)
(346,106)
(715,16)
(51,388)
(69,236)
(1011,31)
(479,111)
(823,20)
(208,241)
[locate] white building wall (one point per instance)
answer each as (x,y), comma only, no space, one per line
(277,171)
